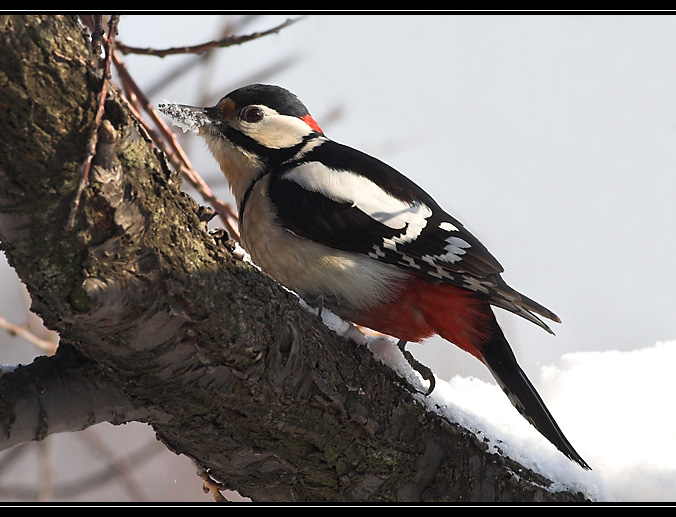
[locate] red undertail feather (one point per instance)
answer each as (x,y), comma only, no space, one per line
(423,309)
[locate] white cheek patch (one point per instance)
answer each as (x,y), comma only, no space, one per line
(276,131)
(347,187)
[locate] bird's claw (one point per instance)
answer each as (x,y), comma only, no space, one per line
(423,370)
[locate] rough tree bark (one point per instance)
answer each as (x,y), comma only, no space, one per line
(160,322)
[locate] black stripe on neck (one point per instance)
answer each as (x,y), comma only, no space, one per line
(247,194)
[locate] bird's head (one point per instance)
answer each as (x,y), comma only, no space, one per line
(250,128)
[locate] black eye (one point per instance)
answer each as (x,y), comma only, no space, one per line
(252,114)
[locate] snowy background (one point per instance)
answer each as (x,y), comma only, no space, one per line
(553,138)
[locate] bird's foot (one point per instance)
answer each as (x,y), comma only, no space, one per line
(423,370)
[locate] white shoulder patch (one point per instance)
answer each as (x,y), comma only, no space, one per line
(348,187)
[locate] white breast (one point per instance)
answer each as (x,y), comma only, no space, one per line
(344,281)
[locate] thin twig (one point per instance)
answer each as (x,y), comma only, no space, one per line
(224,210)
(92,138)
(198,49)
(175,152)
(88,482)
(119,468)
(210,485)
(97,35)
(183,68)
(22,331)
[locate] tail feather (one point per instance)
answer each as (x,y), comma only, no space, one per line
(500,360)
(503,296)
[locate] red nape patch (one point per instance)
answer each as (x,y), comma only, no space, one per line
(312,123)
(423,309)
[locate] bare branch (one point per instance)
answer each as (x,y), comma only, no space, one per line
(179,159)
(57,394)
(96,122)
(97,34)
(91,481)
(24,332)
(209,485)
(187,65)
(198,49)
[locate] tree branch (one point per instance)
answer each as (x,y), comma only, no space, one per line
(61,393)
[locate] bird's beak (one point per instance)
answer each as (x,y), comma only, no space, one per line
(188,118)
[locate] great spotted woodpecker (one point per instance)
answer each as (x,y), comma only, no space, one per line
(337,225)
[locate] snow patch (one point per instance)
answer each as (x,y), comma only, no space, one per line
(187,118)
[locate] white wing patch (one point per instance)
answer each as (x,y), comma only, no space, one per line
(453,251)
(449,227)
(348,187)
